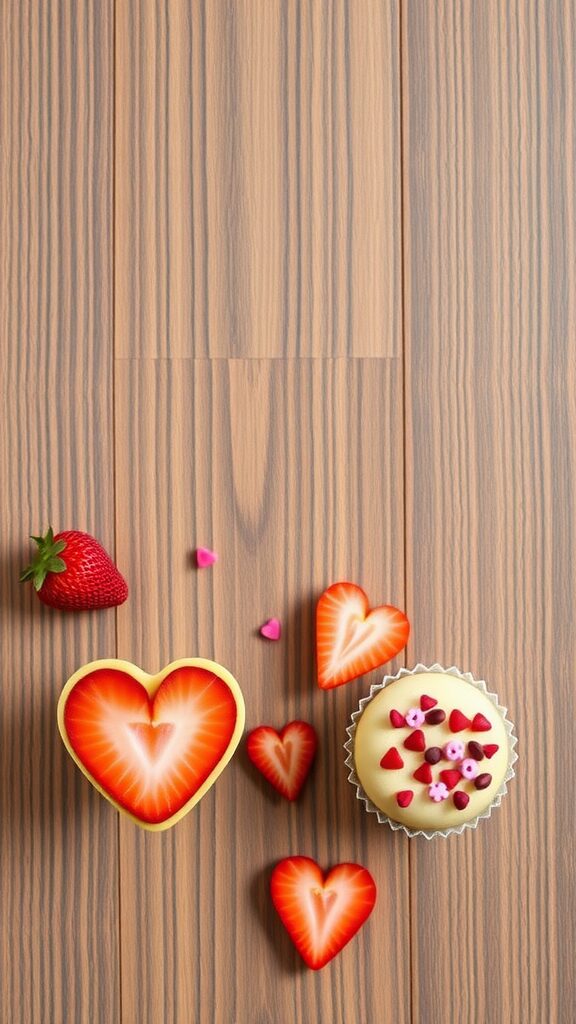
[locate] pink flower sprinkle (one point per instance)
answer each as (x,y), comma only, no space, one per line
(415,717)
(469,768)
(454,750)
(437,792)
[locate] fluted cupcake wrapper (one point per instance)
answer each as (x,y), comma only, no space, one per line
(384,818)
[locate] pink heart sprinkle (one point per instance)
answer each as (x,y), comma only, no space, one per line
(205,557)
(271,629)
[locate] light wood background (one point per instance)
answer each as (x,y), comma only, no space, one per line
(294,279)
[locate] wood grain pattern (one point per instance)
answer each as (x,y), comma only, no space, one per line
(217,442)
(257,178)
(59,954)
(490,237)
(331,244)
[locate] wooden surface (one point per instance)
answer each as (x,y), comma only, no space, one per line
(294,280)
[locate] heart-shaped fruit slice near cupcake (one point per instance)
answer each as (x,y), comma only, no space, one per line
(152,744)
(321,913)
(352,638)
(284,758)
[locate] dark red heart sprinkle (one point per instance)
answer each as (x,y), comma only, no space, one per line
(427,702)
(392,759)
(475,750)
(433,755)
(424,774)
(483,781)
(435,717)
(458,721)
(490,749)
(404,797)
(450,777)
(480,724)
(397,719)
(461,800)
(415,741)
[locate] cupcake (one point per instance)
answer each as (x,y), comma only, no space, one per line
(430,751)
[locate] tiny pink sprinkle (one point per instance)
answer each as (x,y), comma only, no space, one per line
(271,629)
(205,557)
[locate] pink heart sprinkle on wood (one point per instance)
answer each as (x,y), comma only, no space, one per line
(205,557)
(271,629)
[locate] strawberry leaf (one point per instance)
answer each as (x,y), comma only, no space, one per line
(56,565)
(46,559)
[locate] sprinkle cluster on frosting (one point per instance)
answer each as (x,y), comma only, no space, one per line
(463,757)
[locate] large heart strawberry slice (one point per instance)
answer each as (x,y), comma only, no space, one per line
(284,758)
(153,745)
(321,914)
(351,639)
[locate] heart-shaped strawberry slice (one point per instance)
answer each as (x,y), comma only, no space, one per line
(321,913)
(351,639)
(284,758)
(153,745)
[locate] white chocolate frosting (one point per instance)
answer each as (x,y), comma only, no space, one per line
(375,736)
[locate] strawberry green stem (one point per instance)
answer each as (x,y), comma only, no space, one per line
(45,560)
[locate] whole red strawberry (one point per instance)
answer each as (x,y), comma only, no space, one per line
(72,571)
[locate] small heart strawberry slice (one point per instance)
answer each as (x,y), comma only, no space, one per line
(480,724)
(153,745)
(458,721)
(450,777)
(283,758)
(490,749)
(397,720)
(392,759)
(416,741)
(423,774)
(351,639)
(427,702)
(321,913)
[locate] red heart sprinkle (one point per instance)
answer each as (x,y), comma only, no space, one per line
(427,702)
(424,774)
(490,749)
(392,759)
(397,719)
(404,797)
(461,800)
(450,777)
(458,721)
(416,741)
(480,724)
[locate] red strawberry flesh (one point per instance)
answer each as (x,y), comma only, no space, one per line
(415,741)
(458,721)
(321,913)
(150,755)
(284,758)
(480,724)
(392,759)
(351,639)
